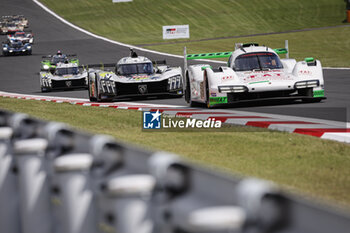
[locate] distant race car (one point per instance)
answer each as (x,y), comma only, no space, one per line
(22,36)
(19,20)
(10,28)
(49,64)
(253,72)
(65,76)
(16,47)
(134,76)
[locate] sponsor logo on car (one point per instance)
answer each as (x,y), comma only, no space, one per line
(142,89)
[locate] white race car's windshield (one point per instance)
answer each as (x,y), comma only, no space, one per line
(257,61)
(67,71)
(57,59)
(129,69)
(20,35)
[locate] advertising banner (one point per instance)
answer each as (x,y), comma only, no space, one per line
(116,1)
(176,31)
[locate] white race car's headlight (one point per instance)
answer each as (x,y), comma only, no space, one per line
(232,89)
(31,40)
(307,84)
(46,67)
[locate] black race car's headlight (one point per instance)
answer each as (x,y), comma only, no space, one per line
(108,86)
(307,84)
(175,82)
(4,48)
(232,89)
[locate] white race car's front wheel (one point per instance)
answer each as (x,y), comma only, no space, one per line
(206,89)
(188,91)
(188,96)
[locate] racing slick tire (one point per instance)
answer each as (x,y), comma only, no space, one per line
(187,91)
(188,98)
(44,89)
(206,88)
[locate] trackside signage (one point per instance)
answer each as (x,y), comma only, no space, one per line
(157,121)
(176,32)
(116,1)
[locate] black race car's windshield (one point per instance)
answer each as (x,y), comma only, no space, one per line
(57,59)
(141,68)
(67,71)
(257,61)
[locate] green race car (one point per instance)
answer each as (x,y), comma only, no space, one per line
(51,61)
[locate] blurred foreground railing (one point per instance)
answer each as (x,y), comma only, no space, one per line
(55,179)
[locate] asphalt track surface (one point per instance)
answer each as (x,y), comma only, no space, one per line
(20,74)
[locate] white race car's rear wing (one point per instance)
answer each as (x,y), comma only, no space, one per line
(284,50)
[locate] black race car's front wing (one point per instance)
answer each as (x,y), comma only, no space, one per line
(63,84)
(133,89)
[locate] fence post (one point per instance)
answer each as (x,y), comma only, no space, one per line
(76,207)
(9,198)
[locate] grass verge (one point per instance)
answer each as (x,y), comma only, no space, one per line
(318,167)
(333,43)
(141,21)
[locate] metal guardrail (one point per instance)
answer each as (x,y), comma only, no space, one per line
(56,179)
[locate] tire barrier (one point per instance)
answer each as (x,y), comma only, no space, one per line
(55,179)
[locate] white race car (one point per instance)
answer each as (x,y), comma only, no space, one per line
(253,72)
(65,76)
(22,36)
(134,76)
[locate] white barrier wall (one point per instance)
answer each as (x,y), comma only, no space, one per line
(57,179)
